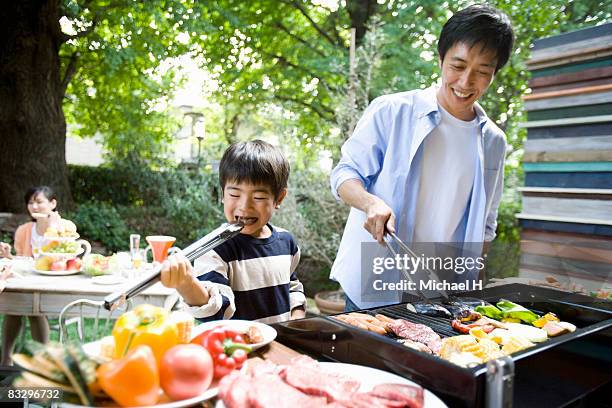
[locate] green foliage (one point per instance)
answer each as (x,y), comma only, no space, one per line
(101,222)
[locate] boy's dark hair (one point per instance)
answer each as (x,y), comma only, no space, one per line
(34,191)
(479,24)
(255,162)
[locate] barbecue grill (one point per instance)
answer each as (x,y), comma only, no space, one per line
(552,373)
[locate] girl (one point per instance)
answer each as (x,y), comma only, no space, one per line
(29,238)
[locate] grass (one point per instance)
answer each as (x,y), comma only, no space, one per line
(72,332)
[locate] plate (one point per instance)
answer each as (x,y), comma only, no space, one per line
(107,279)
(208,394)
(268,332)
(371,377)
(57,273)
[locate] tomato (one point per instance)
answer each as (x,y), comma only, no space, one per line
(186,371)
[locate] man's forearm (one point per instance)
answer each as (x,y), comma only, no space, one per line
(354,194)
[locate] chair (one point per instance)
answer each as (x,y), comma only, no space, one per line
(97,331)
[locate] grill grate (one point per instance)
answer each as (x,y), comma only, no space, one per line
(438,324)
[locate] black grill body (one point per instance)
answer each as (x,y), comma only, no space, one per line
(553,373)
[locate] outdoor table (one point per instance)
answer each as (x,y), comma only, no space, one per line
(38,295)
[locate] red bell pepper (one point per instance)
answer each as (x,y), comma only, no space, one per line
(227,348)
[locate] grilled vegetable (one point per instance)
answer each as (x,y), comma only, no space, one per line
(490,311)
(69,365)
(513,310)
(428,309)
(548,317)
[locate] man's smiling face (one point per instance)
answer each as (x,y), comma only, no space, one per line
(467,73)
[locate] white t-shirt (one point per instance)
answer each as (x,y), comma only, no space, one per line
(37,241)
(447,176)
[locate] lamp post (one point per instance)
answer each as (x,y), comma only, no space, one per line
(199,132)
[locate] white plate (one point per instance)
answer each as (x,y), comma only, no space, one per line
(208,394)
(268,332)
(57,273)
(107,279)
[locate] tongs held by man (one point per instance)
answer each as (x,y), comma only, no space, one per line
(406,249)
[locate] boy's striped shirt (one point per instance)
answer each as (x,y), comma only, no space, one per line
(251,279)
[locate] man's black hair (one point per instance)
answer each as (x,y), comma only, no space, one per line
(255,162)
(480,25)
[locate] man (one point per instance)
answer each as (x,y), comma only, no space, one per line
(428,164)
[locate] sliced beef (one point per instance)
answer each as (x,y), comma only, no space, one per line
(234,390)
(312,380)
(417,332)
(271,391)
(410,395)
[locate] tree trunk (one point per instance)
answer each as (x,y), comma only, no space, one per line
(360,12)
(32,123)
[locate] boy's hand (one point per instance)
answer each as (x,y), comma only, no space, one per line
(298,313)
(177,273)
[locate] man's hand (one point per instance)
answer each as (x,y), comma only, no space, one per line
(177,273)
(379,218)
(379,215)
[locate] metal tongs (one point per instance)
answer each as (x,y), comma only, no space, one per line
(192,252)
(409,251)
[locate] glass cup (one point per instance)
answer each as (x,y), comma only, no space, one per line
(160,246)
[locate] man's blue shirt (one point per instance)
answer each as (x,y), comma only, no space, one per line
(385,154)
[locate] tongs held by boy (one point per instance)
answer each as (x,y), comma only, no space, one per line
(192,252)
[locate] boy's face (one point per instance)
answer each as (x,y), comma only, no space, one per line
(467,73)
(252,204)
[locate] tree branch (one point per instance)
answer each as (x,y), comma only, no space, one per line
(69,72)
(325,113)
(299,39)
(301,9)
(285,61)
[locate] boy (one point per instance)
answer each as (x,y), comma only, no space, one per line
(252,276)
(431,158)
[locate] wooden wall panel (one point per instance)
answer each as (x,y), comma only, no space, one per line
(568,207)
(581,130)
(558,167)
(573,36)
(570,112)
(569,98)
(574,67)
(569,180)
(577,228)
(571,78)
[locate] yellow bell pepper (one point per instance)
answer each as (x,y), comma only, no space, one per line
(548,317)
(145,325)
